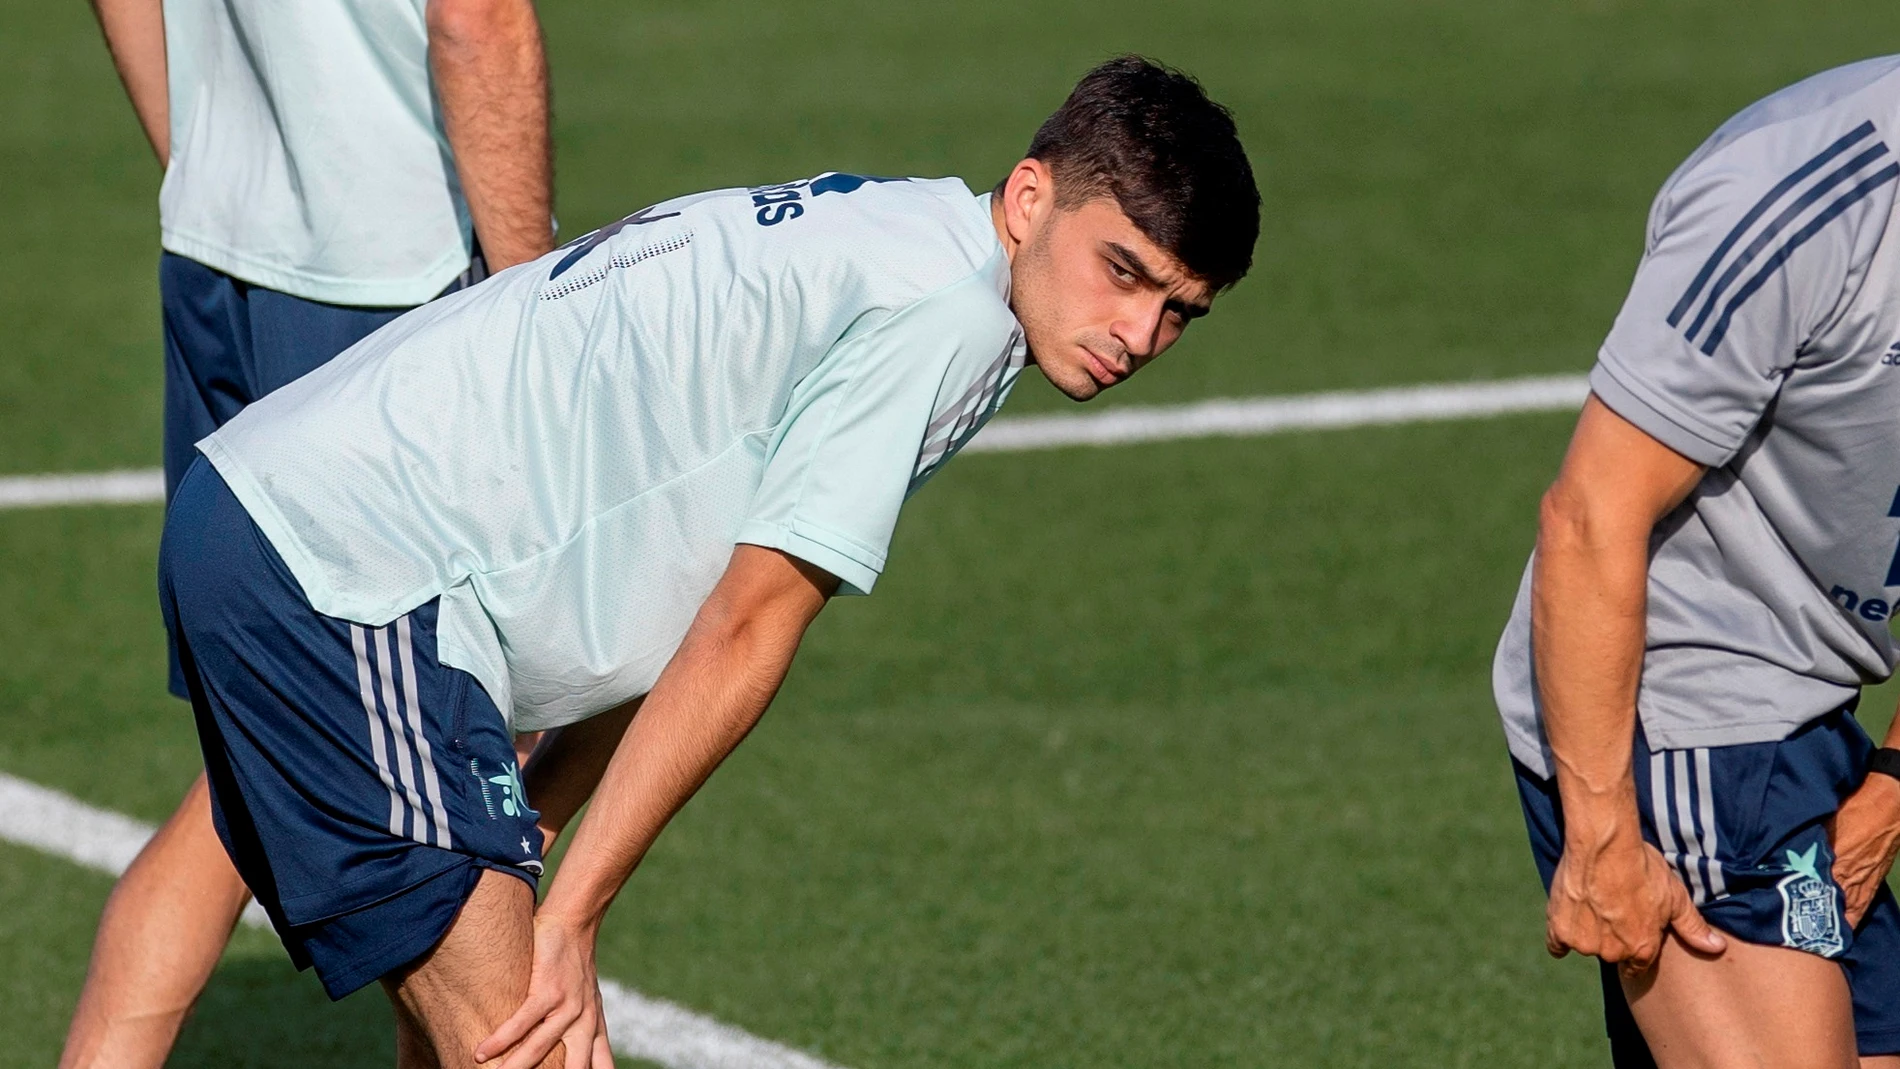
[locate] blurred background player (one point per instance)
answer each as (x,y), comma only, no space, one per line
(328,165)
(1713,584)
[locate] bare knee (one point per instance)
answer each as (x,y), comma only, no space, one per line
(471,981)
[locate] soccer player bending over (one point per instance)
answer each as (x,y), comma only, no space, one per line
(1715,573)
(627,474)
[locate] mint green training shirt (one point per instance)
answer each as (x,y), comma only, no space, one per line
(307,149)
(567,453)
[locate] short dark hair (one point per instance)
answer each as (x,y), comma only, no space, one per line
(1148,135)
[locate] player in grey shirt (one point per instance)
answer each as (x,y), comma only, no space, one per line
(1716,566)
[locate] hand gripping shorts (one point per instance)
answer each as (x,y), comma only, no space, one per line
(1746,829)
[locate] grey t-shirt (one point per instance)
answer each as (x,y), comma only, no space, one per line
(1761,338)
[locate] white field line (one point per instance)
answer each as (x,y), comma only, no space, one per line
(1248,417)
(1231,418)
(642,1027)
(102,488)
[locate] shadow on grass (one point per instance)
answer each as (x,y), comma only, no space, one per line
(261,1012)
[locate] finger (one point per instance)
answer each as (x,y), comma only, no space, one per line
(540,1043)
(603,1046)
(1692,929)
(1612,949)
(1561,935)
(1578,938)
(1641,957)
(533,1010)
(578,1047)
(577,1043)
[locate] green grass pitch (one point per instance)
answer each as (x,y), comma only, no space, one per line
(1176,755)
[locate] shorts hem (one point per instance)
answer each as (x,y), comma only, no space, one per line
(316,907)
(1873,1044)
(533,881)
(409,943)
(1718,920)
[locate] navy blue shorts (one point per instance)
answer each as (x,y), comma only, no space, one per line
(359,784)
(1746,829)
(228,343)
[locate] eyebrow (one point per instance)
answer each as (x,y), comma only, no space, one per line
(1184,309)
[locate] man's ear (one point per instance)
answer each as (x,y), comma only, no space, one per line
(1029,193)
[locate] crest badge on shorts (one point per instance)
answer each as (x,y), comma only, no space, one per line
(1810,907)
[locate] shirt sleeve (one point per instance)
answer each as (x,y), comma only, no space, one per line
(843,457)
(1753,250)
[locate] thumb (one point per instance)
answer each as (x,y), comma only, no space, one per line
(1691,928)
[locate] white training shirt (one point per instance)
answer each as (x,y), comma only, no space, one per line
(567,453)
(307,154)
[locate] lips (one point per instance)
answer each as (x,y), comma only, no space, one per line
(1100,370)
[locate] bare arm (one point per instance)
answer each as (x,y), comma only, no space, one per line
(566,764)
(491,76)
(714,690)
(1613,895)
(135,35)
(1866,837)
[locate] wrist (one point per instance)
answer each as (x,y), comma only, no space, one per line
(576,918)
(1884,765)
(505,250)
(1882,789)
(1598,809)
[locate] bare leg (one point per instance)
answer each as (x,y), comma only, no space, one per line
(161,935)
(473,980)
(1753,1006)
(567,763)
(413,1050)
(524,746)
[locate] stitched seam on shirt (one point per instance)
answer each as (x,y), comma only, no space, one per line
(1685,420)
(857,381)
(254,270)
(807,530)
(804,533)
(592,521)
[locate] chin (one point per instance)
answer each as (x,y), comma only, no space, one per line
(1077,385)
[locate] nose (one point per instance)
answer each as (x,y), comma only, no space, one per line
(1138,328)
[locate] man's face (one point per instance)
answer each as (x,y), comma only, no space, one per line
(1096,298)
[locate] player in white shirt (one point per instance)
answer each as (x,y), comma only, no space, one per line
(627,474)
